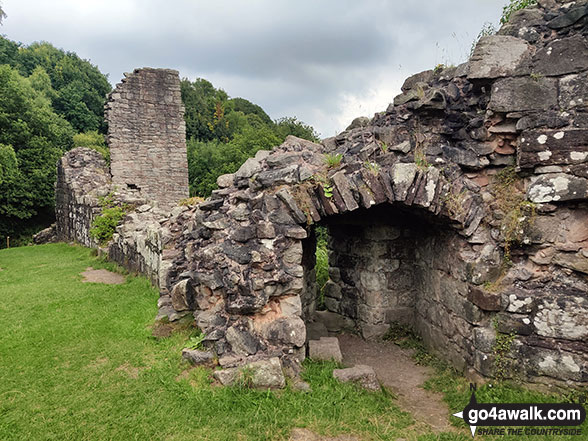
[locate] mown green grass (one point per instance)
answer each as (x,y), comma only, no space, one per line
(78,362)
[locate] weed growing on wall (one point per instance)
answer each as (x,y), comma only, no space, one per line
(104,225)
(513,6)
(333,160)
(518,213)
(503,363)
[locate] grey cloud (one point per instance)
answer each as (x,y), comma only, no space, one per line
(300,57)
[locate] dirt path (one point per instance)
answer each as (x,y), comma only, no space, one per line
(397,371)
(92,275)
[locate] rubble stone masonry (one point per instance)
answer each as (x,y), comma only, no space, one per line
(461,210)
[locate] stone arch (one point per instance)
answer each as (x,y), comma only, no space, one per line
(243,273)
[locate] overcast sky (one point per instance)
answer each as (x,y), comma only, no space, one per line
(323,61)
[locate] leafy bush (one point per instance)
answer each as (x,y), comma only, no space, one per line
(93,140)
(104,225)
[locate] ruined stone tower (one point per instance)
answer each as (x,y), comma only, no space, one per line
(147,136)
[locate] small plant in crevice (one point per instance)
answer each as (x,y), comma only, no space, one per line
(453,203)
(104,225)
(383,146)
(503,363)
(439,68)
(420,159)
(195,342)
(518,214)
(536,76)
(324,183)
(245,378)
(333,160)
(372,167)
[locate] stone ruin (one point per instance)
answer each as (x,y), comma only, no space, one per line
(147,136)
(461,210)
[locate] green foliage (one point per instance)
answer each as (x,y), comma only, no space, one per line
(503,363)
(104,225)
(420,159)
(333,160)
(37,138)
(223,132)
(44,91)
(94,141)
(79,89)
(439,68)
(195,342)
(513,6)
(291,126)
(518,213)
(207,160)
(372,167)
(322,263)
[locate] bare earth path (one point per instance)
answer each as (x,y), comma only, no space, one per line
(92,275)
(397,371)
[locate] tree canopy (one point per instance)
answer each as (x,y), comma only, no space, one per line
(223,132)
(32,138)
(52,100)
(76,88)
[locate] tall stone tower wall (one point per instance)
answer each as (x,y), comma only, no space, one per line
(147,136)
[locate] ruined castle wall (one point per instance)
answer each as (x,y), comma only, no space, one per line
(495,150)
(147,175)
(82,178)
(147,136)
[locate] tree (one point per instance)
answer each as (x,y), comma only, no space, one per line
(80,89)
(33,138)
(291,126)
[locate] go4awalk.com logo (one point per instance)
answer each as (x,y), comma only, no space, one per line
(496,418)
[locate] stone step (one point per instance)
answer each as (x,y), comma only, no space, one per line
(325,349)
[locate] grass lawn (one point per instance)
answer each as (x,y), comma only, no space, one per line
(78,362)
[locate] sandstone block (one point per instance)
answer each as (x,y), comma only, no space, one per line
(362,374)
(523,93)
(497,56)
(259,374)
(325,349)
